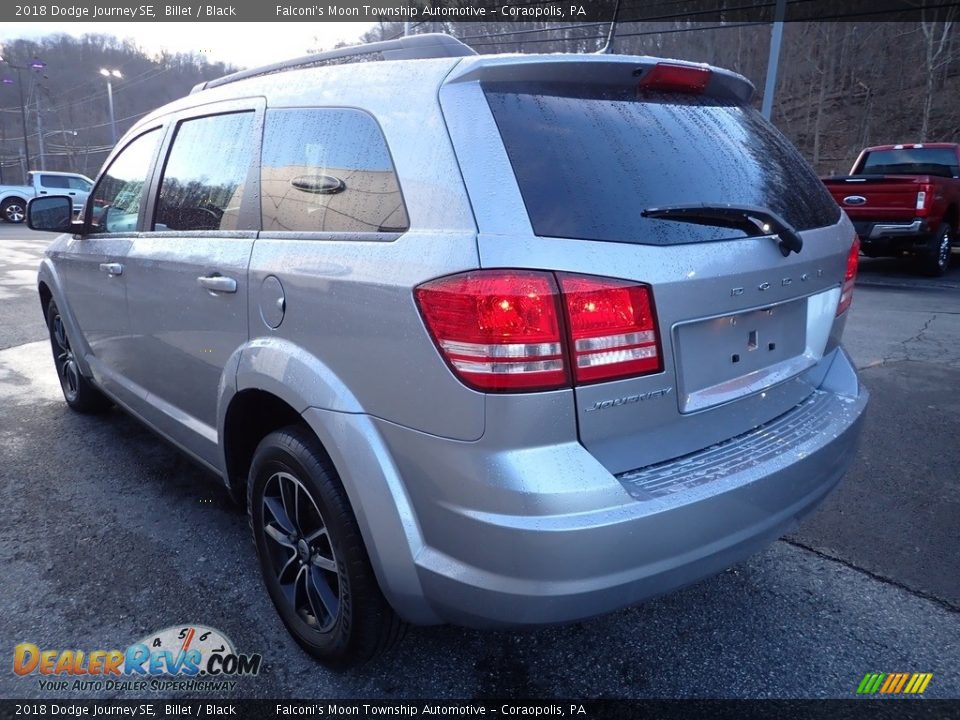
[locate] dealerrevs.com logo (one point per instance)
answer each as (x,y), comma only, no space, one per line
(180,657)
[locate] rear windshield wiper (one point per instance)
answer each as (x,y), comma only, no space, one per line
(754,221)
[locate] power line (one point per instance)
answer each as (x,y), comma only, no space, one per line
(667,31)
(136,80)
(79,129)
(534,30)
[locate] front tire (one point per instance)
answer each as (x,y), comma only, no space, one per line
(937,261)
(13,210)
(311,553)
(78,391)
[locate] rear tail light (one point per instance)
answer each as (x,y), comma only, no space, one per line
(850,277)
(922,199)
(671,77)
(499,330)
(522,330)
(612,329)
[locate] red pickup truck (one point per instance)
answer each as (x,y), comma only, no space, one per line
(904,199)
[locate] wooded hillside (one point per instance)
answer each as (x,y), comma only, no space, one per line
(71,95)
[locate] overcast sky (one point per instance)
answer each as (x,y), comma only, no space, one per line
(239,43)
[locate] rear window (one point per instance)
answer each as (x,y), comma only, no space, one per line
(911,161)
(589,160)
(54,181)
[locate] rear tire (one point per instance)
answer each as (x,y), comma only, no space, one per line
(13,210)
(937,261)
(78,391)
(311,553)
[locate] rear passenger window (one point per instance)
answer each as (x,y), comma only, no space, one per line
(206,171)
(54,181)
(328,170)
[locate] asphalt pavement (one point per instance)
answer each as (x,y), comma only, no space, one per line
(109,534)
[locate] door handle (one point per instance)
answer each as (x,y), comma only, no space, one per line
(218,283)
(112,269)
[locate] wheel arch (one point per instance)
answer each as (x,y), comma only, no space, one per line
(13,196)
(251,415)
(277,383)
(50,289)
(45,297)
(952,217)
(269,383)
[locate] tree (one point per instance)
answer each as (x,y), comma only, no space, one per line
(937,55)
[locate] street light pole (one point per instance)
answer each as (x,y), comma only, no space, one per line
(109,75)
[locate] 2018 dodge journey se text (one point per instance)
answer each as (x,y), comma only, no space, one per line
(498,341)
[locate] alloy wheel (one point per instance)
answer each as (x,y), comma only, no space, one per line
(67,367)
(299,551)
(14,213)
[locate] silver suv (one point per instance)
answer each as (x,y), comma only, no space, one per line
(489,340)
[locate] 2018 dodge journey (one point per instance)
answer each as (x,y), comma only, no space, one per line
(491,340)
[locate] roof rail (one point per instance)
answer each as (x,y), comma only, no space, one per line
(412,47)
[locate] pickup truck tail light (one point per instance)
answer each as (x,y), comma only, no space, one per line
(523,330)
(850,277)
(925,199)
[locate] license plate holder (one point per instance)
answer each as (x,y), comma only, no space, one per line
(729,356)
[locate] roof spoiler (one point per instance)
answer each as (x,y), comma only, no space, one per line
(615,71)
(413,47)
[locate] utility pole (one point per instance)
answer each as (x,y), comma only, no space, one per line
(23,108)
(40,132)
(773,62)
(37,65)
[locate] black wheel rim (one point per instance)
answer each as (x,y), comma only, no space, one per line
(943,255)
(67,367)
(299,553)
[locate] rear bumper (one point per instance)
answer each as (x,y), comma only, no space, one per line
(880,230)
(895,236)
(574,541)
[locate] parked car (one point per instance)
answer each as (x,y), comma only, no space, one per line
(556,334)
(13,198)
(904,199)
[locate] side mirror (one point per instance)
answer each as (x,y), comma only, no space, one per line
(51,213)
